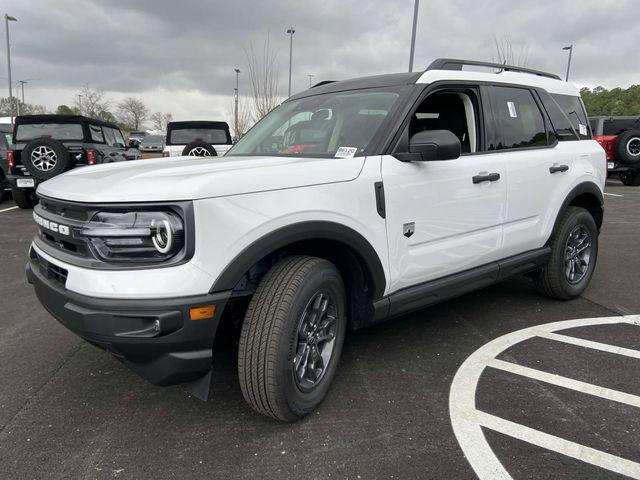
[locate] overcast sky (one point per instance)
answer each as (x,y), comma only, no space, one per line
(179,56)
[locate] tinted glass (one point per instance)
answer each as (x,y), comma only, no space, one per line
(113,137)
(57,131)
(594,123)
(182,136)
(617,126)
(153,140)
(575,112)
(562,125)
(118,136)
(320,125)
(96,133)
(519,121)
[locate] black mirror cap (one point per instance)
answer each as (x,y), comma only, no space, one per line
(435,145)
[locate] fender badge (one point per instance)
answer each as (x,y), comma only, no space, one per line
(408,229)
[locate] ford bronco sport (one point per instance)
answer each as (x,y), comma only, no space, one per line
(620,138)
(48,145)
(350,203)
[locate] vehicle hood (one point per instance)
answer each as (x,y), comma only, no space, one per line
(189,178)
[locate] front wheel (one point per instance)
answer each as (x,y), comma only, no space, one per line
(630,178)
(292,337)
(574,251)
(24,198)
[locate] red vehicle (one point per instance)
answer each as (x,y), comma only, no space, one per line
(620,138)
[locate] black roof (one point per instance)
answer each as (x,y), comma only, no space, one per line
(387,80)
(52,118)
(198,124)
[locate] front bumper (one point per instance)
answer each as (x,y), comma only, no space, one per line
(155,338)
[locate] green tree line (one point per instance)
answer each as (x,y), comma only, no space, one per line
(615,102)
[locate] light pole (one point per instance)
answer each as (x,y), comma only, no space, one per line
(413,34)
(310,78)
(290,31)
(237,70)
(8,19)
(570,48)
(80,103)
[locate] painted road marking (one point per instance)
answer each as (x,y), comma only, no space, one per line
(7,209)
(613,194)
(467,421)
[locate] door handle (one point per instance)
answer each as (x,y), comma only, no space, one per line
(558,168)
(486,177)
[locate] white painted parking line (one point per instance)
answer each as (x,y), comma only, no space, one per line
(565,382)
(613,194)
(627,352)
(7,209)
(467,421)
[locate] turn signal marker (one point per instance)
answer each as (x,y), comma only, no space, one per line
(200,313)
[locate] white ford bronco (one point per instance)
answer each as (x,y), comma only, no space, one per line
(350,203)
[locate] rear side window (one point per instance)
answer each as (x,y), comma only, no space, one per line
(113,137)
(182,136)
(96,134)
(574,110)
(57,131)
(616,126)
(519,121)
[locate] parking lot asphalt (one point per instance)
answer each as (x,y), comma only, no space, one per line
(69,410)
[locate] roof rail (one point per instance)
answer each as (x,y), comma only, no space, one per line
(453,64)
(324,82)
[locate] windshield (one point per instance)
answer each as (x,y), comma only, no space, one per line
(182,136)
(340,124)
(153,140)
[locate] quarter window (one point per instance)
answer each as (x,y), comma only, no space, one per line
(96,134)
(575,112)
(518,119)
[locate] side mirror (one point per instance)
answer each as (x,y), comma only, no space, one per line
(429,145)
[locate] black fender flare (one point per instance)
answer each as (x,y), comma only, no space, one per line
(580,189)
(297,232)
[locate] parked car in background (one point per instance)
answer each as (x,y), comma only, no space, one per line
(136,137)
(197,139)
(47,145)
(152,144)
(620,138)
(6,131)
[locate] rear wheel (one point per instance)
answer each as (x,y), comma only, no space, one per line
(574,251)
(24,198)
(630,178)
(292,337)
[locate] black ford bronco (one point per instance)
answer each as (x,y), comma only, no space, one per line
(47,145)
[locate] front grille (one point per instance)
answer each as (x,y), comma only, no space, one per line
(49,270)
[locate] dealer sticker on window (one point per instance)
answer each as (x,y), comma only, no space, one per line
(512,110)
(583,129)
(346,152)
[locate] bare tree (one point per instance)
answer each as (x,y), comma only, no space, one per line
(92,104)
(508,54)
(244,117)
(263,78)
(160,120)
(133,112)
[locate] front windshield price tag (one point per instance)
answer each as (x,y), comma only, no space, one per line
(346,152)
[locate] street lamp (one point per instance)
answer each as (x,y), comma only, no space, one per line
(237,70)
(570,48)
(8,19)
(413,34)
(79,103)
(290,31)
(310,78)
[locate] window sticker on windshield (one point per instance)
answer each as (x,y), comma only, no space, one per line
(346,152)
(583,129)
(512,109)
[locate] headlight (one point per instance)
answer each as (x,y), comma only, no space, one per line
(143,236)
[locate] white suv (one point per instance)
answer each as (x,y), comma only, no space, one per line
(350,203)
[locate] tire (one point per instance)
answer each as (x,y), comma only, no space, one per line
(199,149)
(554,280)
(24,198)
(45,158)
(627,147)
(630,178)
(274,338)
